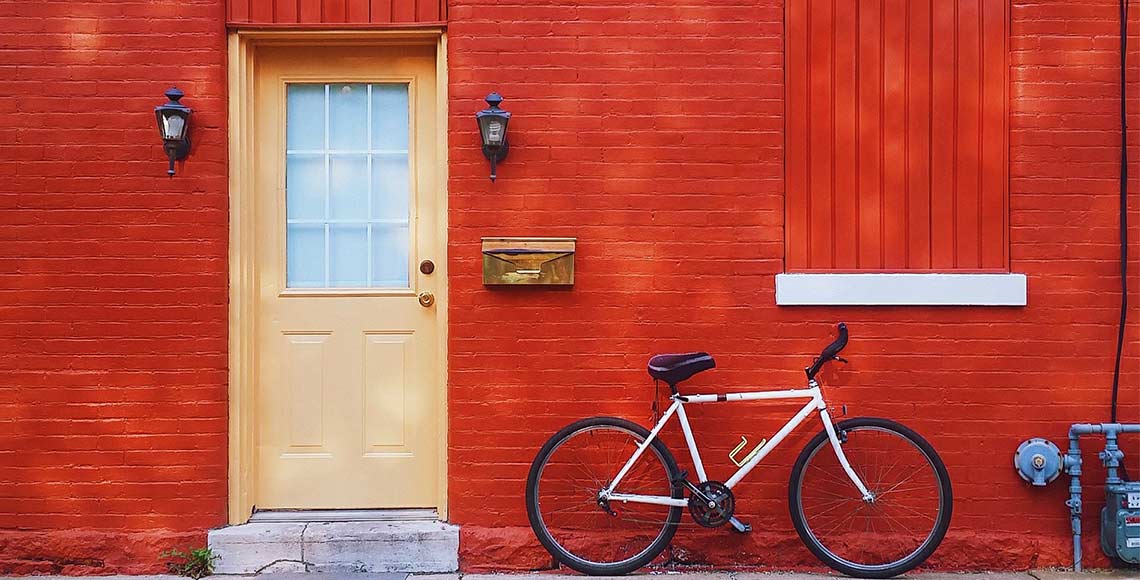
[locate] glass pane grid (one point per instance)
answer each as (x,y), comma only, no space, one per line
(347,186)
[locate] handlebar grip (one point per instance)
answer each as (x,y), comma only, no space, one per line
(829,352)
(837,346)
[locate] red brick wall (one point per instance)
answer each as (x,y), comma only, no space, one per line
(112,285)
(654,134)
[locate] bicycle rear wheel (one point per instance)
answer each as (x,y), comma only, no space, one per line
(562,497)
(896,531)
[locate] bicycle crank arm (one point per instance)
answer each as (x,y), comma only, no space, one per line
(739,526)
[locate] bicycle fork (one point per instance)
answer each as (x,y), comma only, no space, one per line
(837,446)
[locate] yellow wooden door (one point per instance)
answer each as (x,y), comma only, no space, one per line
(348,205)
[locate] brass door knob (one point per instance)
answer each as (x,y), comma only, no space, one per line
(426,299)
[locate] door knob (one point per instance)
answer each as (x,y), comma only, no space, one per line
(426,299)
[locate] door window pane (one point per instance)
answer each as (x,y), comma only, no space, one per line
(390,187)
(305,260)
(305,112)
(390,255)
(390,117)
(348,117)
(348,253)
(347,186)
(305,187)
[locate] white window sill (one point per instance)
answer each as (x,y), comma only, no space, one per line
(900,289)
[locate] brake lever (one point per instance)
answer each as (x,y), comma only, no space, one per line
(840,359)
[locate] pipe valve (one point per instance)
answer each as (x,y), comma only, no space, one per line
(1038,461)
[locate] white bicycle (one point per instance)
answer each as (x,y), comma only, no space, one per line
(605,495)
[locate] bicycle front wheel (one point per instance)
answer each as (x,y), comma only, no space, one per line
(562,501)
(899,528)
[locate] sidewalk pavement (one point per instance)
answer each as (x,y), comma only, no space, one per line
(661,575)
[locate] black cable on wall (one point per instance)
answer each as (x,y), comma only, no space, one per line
(1123,200)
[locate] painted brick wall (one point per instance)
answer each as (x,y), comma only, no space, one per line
(112,285)
(654,132)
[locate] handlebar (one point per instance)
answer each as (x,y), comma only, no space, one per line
(830,352)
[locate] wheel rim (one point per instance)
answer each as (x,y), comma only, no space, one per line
(902,520)
(566,493)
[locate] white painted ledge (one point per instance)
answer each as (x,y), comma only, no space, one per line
(900,289)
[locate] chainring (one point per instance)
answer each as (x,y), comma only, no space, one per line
(718,514)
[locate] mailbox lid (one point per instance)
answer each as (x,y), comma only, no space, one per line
(528,261)
(530,244)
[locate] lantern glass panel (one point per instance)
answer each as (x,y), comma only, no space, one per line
(493,130)
(173,126)
(483,121)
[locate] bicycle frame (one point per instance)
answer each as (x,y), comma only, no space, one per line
(815,403)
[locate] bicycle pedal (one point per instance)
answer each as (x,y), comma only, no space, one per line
(739,526)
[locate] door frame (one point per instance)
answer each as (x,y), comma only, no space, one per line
(243,47)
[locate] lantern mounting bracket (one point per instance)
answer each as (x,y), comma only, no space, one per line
(176,152)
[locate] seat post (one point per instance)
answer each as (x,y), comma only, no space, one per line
(673,387)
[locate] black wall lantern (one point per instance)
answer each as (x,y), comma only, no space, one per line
(493,129)
(173,120)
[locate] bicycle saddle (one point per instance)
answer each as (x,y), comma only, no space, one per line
(674,368)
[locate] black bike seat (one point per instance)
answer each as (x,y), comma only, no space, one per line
(674,368)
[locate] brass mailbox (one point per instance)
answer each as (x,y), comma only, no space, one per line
(528,261)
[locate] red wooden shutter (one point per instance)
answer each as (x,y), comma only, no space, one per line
(334,13)
(896,135)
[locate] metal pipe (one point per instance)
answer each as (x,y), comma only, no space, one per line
(1089,428)
(1111,456)
(1072,464)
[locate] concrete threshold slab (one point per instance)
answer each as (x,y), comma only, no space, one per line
(344,515)
(337,548)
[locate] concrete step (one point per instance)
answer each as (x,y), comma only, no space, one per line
(333,547)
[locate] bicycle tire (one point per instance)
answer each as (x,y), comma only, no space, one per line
(566,555)
(827,554)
